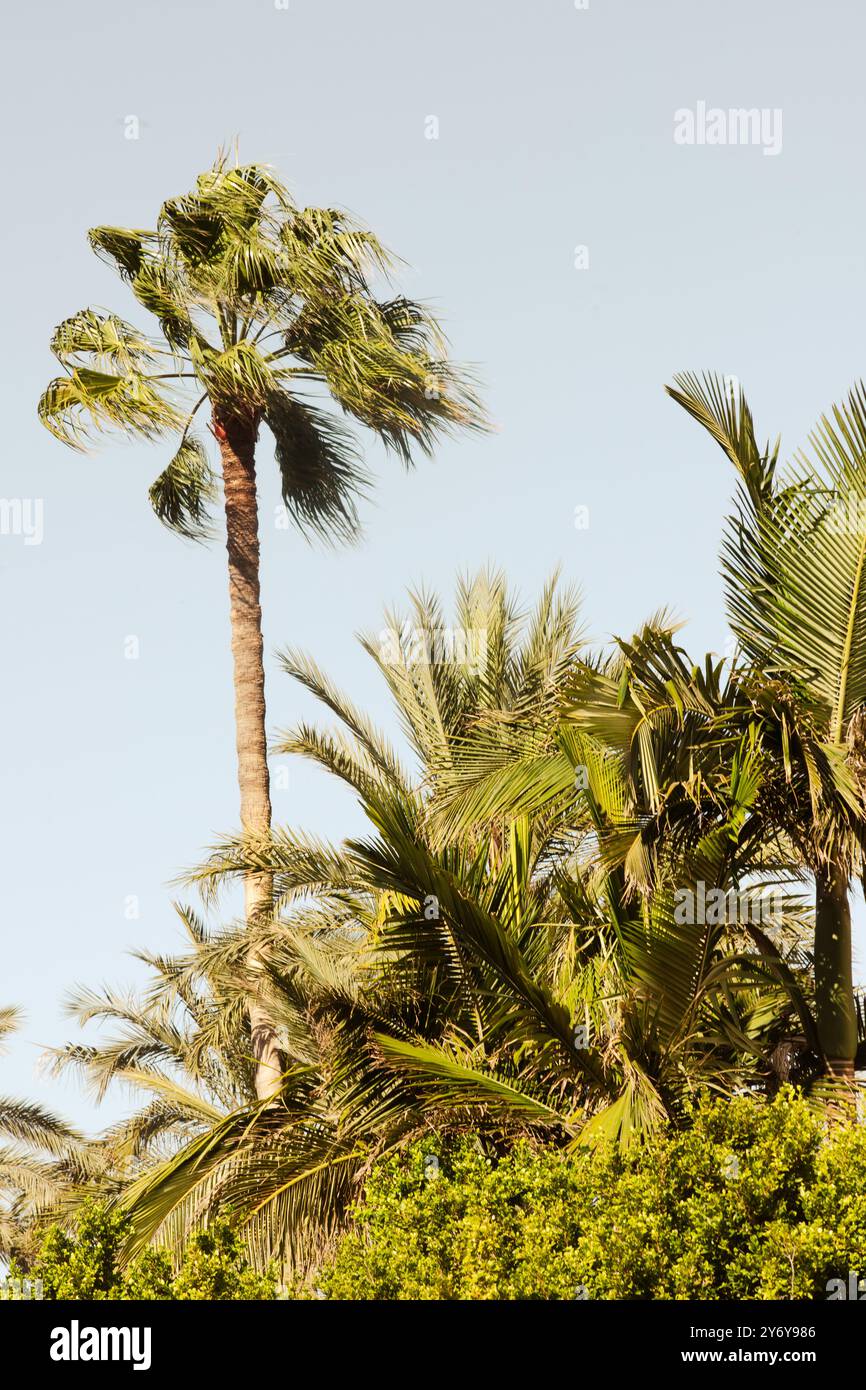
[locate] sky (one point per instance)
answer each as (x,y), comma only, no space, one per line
(582,239)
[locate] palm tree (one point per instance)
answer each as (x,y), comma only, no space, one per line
(40,1162)
(188,1031)
(794,562)
(500,979)
(184,1048)
(265,311)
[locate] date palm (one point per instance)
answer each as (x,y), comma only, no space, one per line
(267,313)
(184,1045)
(41,1160)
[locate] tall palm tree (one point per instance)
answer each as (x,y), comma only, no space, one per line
(265,311)
(794,562)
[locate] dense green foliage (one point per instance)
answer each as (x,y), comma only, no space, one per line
(87,1264)
(753,1201)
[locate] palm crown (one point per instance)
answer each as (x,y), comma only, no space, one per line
(262,307)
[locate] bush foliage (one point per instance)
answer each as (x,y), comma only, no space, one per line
(754,1200)
(86,1264)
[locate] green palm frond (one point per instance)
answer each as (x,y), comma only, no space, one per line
(35,1182)
(103,340)
(43,1163)
(183,491)
(721,407)
(795,554)
(374,745)
(31,1124)
(321,475)
(446,1079)
(300,864)
(88,402)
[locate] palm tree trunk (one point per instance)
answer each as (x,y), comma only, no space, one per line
(834,985)
(237,441)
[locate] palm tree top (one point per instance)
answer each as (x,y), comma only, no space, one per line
(794,556)
(265,310)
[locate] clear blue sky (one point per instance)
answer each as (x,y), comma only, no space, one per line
(556,129)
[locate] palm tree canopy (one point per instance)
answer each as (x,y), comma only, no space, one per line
(794,561)
(795,551)
(265,310)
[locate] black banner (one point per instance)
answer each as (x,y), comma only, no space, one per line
(89,1340)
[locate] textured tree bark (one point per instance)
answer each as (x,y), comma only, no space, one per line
(237,441)
(834,984)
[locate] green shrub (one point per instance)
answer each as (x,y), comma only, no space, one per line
(85,1264)
(754,1200)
